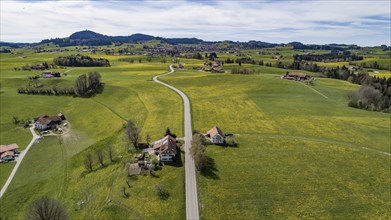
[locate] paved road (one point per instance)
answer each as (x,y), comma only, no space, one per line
(191,183)
(19,161)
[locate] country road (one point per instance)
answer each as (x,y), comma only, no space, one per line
(191,183)
(19,161)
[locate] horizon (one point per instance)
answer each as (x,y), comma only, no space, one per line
(314,22)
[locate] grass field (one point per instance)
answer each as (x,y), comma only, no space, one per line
(300,155)
(302,152)
(55,170)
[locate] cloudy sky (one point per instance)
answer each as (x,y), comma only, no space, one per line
(365,23)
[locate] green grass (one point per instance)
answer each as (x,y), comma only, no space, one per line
(5,170)
(291,178)
(300,155)
(56,170)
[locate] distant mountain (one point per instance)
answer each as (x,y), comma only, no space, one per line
(91,38)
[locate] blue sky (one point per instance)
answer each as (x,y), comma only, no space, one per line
(365,23)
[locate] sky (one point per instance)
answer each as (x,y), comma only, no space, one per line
(365,23)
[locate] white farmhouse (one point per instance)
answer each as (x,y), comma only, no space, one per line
(216,135)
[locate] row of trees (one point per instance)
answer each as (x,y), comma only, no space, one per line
(242,70)
(47,91)
(329,57)
(374,65)
(85,85)
(81,61)
(100,156)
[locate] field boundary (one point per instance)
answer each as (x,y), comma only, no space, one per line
(324,140)
(110,109)
(323,95)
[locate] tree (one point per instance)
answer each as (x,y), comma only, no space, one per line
(162,192)
(111,152)
(100,157)
(148,138)
(168,132)
(46,208)
(197,151)
(81,85)
(132,133)
(88,162)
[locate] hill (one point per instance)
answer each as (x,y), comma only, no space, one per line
(91,38)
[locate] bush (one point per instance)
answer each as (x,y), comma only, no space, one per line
(161,192)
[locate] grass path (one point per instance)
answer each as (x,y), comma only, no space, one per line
(325,140)
(324,96)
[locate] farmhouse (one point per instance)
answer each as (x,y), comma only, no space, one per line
(50,74)
(216,135)
(45,122)
(166,148)
(8,152)
(297,76)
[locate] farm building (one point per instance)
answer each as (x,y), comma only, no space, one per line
(297,76)
(50,74)
(216,135)
(166,148)
(8,152)
(45,122)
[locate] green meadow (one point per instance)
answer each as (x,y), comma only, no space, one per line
(55,167)
(303,153)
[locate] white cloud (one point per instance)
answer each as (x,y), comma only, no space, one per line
(281,21)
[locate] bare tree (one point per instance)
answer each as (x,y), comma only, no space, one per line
(148,138)
(100,157)
(197,151)
(132,133)
(46,208)
(88,162)
(111,152)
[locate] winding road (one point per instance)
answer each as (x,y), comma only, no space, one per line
(19,161)
(191,182)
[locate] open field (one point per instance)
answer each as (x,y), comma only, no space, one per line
(55,169)
(282,177)
(302,152)
(308,154)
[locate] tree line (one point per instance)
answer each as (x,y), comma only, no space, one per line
(81,61)
(86,85)
(241,70)
(329,57)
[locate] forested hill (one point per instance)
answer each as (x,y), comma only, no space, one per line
(91,38)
